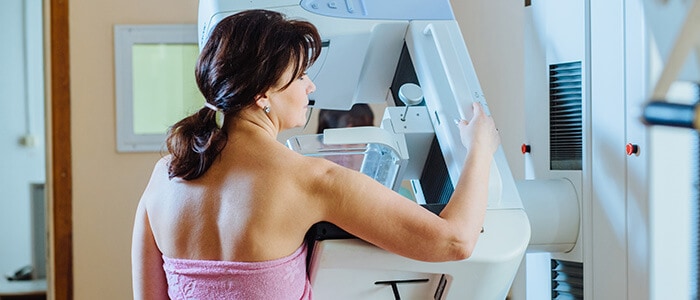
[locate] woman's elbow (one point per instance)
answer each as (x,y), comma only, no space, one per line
(462,250)
(461,244)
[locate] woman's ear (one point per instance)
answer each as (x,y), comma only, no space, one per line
(262,101)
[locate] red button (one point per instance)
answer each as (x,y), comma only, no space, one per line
(525,148)
(632,149)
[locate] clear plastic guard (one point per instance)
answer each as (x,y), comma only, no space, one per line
(375,160)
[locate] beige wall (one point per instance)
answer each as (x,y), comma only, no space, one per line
(107,184)
(493,31)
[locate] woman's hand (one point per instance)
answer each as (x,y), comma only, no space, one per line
(480,132)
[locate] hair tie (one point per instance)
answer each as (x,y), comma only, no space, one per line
(212,107)
(219,114)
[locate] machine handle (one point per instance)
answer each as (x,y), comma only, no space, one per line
(670,114)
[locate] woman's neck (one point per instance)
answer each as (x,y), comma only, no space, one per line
(252,121)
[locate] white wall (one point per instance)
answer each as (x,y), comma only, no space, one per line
(21,116)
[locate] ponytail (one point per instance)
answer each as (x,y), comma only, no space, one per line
(246,55)
(194,142)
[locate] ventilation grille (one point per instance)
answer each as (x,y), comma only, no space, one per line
(435,180)
(565,117)
(567,280)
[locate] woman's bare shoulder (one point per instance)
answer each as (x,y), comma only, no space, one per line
(303,165)
(159,177)
(163,162)
(311,172)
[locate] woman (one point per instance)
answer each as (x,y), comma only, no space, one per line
(225,214)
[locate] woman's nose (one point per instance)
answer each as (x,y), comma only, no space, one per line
(312,87)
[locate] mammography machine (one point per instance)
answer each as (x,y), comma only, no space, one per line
(411,55)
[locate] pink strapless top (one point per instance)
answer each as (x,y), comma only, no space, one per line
(283,278)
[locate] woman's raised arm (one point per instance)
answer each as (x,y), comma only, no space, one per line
(370,211)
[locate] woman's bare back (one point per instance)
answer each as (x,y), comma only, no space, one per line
(249,206)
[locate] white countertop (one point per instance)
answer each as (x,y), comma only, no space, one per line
(18,288)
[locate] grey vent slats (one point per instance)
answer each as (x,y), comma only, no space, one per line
(565,116)
(567,280)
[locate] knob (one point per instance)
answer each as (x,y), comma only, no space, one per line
(410,94)
(525,148)
(632,149)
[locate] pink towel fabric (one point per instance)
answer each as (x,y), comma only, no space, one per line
(283,278)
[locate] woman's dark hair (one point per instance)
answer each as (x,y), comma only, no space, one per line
(246,55)
(359,115)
